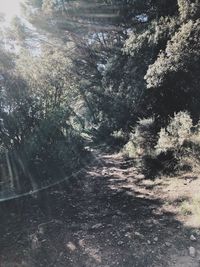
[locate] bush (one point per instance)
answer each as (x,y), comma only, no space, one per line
(142,139)
(176,134)
(182,140)
(118,138)
(52,151)
(174,148)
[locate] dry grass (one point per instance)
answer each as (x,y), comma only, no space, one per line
(191,209)
(181,194)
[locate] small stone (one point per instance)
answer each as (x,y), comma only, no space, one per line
(120,243)
(128,235)
(193,238)
(156,239)
(192,252)
(139,234)
(104,173)
(35,244)
(97,226)
(139,176)
(149,242)
(167,244)
(71,246)
(81,243)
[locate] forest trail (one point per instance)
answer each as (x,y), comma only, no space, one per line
(109,216)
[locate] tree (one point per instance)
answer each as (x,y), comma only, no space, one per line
(108,53)
(172,73)
(38,142)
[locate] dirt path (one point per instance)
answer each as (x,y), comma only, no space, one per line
(106,218)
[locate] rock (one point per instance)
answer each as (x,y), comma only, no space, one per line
(167,244)
(138,234)
(104,172)
(193,238)
(71,246)
(192,252)
(156,239)
(149,242)
(120,243)
(139,176)
(128,235)
(35,244)
(81,243)
(97,226)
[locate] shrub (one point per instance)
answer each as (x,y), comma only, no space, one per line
(51,151)
(177,132)
(118,138)
(182,140)
(142,139)
(172,149)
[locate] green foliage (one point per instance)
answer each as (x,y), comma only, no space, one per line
(18,31)
(170,49)
(156,34)
(180,139)
(142,139)
(38,143)
(173,148)
(181,52)
(189,9)
(177,132)
(95,62)
(48,76)
(53,149)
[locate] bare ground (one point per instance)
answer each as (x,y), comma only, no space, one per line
(109,216)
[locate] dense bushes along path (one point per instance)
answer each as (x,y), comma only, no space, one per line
(109,216)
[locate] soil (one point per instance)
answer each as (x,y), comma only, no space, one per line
(107,216)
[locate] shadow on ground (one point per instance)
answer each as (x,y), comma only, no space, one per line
(104,218)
